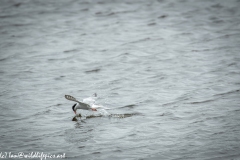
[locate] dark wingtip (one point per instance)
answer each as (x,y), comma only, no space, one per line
(66,96)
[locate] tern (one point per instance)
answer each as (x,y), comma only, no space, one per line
(86,104)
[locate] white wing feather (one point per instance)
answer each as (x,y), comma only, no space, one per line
(71,98)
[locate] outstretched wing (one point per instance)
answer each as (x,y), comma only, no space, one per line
(71,98)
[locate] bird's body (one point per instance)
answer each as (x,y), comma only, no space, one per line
(86,104)
(90,100)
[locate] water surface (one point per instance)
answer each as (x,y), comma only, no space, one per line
(174,65)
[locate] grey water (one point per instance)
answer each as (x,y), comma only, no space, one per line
(173,65)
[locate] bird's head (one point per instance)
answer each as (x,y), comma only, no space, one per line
(74,109)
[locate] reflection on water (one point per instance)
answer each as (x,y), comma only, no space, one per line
(80,117)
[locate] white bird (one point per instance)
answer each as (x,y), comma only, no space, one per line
(87,104)
(90,100)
